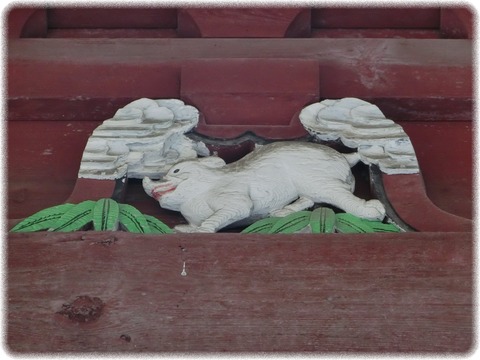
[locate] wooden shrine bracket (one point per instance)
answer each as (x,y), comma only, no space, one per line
(407,202)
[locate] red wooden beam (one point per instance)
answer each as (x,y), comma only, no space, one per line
(244,22)
(26,22)
(408,292)
(434,52)
(457,23)
(259,95)
(112,18)
(376,18)
(397,72)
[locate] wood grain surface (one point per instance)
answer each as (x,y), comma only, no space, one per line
(409,292)
(400,74)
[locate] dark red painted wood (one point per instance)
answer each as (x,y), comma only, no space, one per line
(244,23)
(378,69)
(428,109)
(457,23)
(74,79)
(374,22)
(405,109)
(413,52)
(408,197)
(26,22)
(91,189)
(112,18)
(43,158)
(376,33)
(445,154)
(353,293)
(256,95)
(81,108)
(376,18)
(112,33)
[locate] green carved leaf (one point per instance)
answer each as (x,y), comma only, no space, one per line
(75,218)
(322,220)
(262,226)
(106,214)
(350,224)
(42,220)
(156,226)
(378,226)
(133,220)
(291,223)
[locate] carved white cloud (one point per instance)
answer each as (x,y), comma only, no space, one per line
(361,125)
(144,138)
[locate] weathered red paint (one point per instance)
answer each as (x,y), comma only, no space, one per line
(91,189)
(408,292)
(111,18)
(376,18)
(445,154)
(244,23)
(241,95)
(35,22)
(408,197)
(70,69)
(115,71)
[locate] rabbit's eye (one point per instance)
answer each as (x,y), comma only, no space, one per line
(176,171)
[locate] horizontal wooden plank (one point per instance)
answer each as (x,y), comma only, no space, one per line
(78,108)
(234,22)
(370,78)
(431,52)
(250,93)
(255,76)
(102,108)
(376,33)
(112,17)
(215,22)
(407,292)
(111,33)
(458,23)
(430,109)
(376,17)
(65,79)
(249,110)
(126,68)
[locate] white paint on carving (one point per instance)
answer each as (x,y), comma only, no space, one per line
(361,125)
(275,179)
(144,138)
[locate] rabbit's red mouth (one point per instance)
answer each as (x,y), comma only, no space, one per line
(161,190)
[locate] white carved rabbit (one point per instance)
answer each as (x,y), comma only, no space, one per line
(273,180)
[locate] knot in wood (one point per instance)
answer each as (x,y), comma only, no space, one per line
(83,309)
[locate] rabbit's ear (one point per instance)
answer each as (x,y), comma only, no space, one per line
(212,161)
